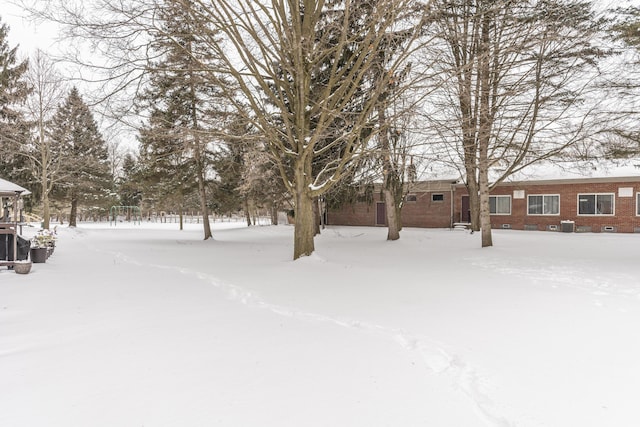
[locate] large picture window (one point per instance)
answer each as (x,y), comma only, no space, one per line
(543,204)
(595,204)
(500,205)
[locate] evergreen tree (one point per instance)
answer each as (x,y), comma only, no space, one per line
(622,139)
(247,179)
(129,186)
(261,185)
(85,153)
(186,103)
(13,91)
(166,171)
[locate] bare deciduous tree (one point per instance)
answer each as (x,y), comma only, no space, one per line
(273,50)
(279,52)
(45,158)
(516,77)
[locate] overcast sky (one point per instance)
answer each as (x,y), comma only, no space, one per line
(29,36)
(24,32)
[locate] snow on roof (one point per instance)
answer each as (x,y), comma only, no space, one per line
(9,188)
(555,171)
(578,170)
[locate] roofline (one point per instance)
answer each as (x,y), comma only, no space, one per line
(585,180)
(560,181)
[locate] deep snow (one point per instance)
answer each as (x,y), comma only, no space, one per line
(151,326)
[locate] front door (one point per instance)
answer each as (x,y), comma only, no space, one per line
(465,213)
(381,213)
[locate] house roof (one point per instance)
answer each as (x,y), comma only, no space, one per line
(8,188)
(431,186)
(583,180)
(579,170)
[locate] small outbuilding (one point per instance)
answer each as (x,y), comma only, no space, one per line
(11,205)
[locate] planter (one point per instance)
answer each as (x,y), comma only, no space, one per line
(22,267)
(38,255)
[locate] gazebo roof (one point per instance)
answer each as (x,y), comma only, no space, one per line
(9,189)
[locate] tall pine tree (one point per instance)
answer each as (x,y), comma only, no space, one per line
(186,101)
(74,129)
(13,91)
(166,171)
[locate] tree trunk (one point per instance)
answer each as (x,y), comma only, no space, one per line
(203,204)
(247,213)
(304,228)
(485,214)
(390,181)
(484,134)
(316,216)
(46,208)
(74,212)
(393,229)
(474,204)
(303,244)
(274,215)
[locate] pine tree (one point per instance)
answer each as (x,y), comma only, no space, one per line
(186,102)
(623,133)
(13,91)
(74,129)
(166,171)
(129,185)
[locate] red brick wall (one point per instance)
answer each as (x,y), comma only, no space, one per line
(624,220)
(357,214)
(424,212)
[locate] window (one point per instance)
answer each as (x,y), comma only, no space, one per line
(638,204)
(595,204)
(500,205)
(437,197)
(411,198)
(543,204)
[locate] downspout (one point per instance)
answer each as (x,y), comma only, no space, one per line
(451,212)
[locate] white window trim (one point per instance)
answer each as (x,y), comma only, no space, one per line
(510,205)
(543,214)
(613,195)
(437,194)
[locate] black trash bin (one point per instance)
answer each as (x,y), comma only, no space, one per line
(6,248)
(24,247)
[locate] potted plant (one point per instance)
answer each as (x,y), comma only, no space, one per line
(22,266)
(42,245)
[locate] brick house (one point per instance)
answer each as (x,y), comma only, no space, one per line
(428,204)
(580,204)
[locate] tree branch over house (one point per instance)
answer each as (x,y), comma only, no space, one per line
(516,84)
(280,50)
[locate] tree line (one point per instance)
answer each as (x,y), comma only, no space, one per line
(296,103)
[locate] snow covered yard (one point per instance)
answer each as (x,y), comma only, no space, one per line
(150,326)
